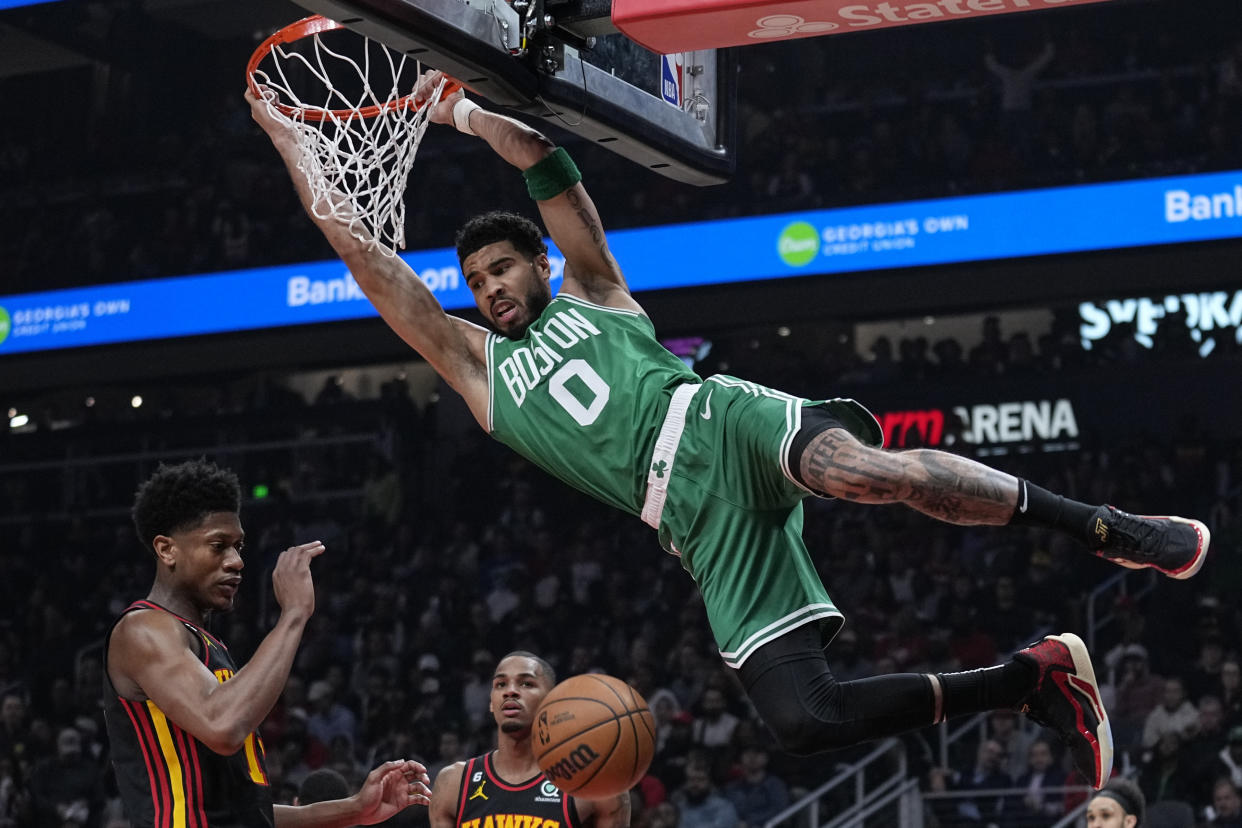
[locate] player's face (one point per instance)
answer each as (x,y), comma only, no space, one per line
(207,561)
(1106,812)
(509,289)
(517,689)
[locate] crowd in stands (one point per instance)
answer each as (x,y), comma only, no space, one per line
(154,169)
(445,552)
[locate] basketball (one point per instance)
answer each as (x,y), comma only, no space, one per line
(594,736)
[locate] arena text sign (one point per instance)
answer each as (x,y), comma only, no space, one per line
(989,427)
(703,24)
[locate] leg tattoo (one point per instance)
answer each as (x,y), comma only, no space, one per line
(936,483)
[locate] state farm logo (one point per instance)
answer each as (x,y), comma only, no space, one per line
(985,424)
(788,25)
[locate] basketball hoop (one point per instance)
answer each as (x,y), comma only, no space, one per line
(357,134)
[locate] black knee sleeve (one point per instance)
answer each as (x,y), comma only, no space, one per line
(809,711)
(801,730)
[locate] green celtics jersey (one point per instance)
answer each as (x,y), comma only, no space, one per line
(582,395)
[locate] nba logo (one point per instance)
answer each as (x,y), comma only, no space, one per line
(542,730)
(670,79)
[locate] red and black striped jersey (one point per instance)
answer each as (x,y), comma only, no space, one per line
(169,779)
(487,801)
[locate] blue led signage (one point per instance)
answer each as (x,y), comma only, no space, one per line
(908,234)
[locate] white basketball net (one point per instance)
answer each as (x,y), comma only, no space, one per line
(356,166)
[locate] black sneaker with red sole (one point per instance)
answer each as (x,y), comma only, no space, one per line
(1066,699)
(1173,545)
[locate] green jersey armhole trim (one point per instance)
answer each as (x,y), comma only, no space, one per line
(579,300)
(491,387)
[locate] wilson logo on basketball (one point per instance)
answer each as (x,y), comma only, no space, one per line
(579,758)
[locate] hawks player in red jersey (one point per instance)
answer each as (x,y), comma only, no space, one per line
(506,787)
(182,718)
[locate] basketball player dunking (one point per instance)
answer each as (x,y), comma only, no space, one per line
(505,786)
(579,385)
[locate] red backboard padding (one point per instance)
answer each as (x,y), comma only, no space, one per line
(668,26)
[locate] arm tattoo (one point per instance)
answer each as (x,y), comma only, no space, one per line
(588,222)
(953,485)
(942,485)
(835,463)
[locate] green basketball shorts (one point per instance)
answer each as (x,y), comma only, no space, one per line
(722,497)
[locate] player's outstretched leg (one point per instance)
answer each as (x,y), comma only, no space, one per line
(958,490)
(809,711)
(1066,699)
(1173,545)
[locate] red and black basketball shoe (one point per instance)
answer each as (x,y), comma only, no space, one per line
(1066,699)
(1172,545)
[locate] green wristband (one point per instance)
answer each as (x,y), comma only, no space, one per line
(552,176)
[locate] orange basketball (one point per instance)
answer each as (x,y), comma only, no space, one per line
(594,736)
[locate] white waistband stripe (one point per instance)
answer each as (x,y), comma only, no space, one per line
(665,453)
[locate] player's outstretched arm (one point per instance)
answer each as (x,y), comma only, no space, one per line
(567,211)
(387,791)
(452,346)
(150,657)
(442,812)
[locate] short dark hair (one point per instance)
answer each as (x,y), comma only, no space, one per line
(321,786)
(179,497)
(498,226)
(1126,793)
(544,667)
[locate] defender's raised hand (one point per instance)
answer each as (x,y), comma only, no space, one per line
(291,579)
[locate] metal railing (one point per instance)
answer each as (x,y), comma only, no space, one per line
(977,722)
(852,773)
(323,496)
(1007,795)
(239,447)
(1126,582)
(143,460)
(1074,817)
(904,799)
(863,800)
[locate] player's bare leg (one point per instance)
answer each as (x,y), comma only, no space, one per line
(964,492)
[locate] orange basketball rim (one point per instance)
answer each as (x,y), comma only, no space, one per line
(309,27)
